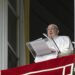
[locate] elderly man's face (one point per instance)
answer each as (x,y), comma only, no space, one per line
(52,31)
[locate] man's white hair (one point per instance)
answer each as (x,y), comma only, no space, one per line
(54,25)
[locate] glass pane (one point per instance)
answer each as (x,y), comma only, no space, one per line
(13,3)
(12,29)
(12,59)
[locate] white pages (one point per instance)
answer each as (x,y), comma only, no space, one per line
(39,48)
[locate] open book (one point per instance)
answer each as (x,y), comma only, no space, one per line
(39,47)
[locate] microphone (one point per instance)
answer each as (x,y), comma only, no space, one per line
(46,36)
(53,41)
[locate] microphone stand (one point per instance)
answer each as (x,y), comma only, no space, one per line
(53,41)
(56,45)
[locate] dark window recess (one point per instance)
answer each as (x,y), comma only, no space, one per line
(12,29)
(12,59)
(13,3)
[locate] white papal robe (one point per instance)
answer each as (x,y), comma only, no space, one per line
(64,46)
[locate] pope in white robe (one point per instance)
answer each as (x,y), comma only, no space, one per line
(61,43)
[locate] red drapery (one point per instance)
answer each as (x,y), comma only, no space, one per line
(59,66)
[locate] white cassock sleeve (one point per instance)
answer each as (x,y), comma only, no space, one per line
(66,47)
